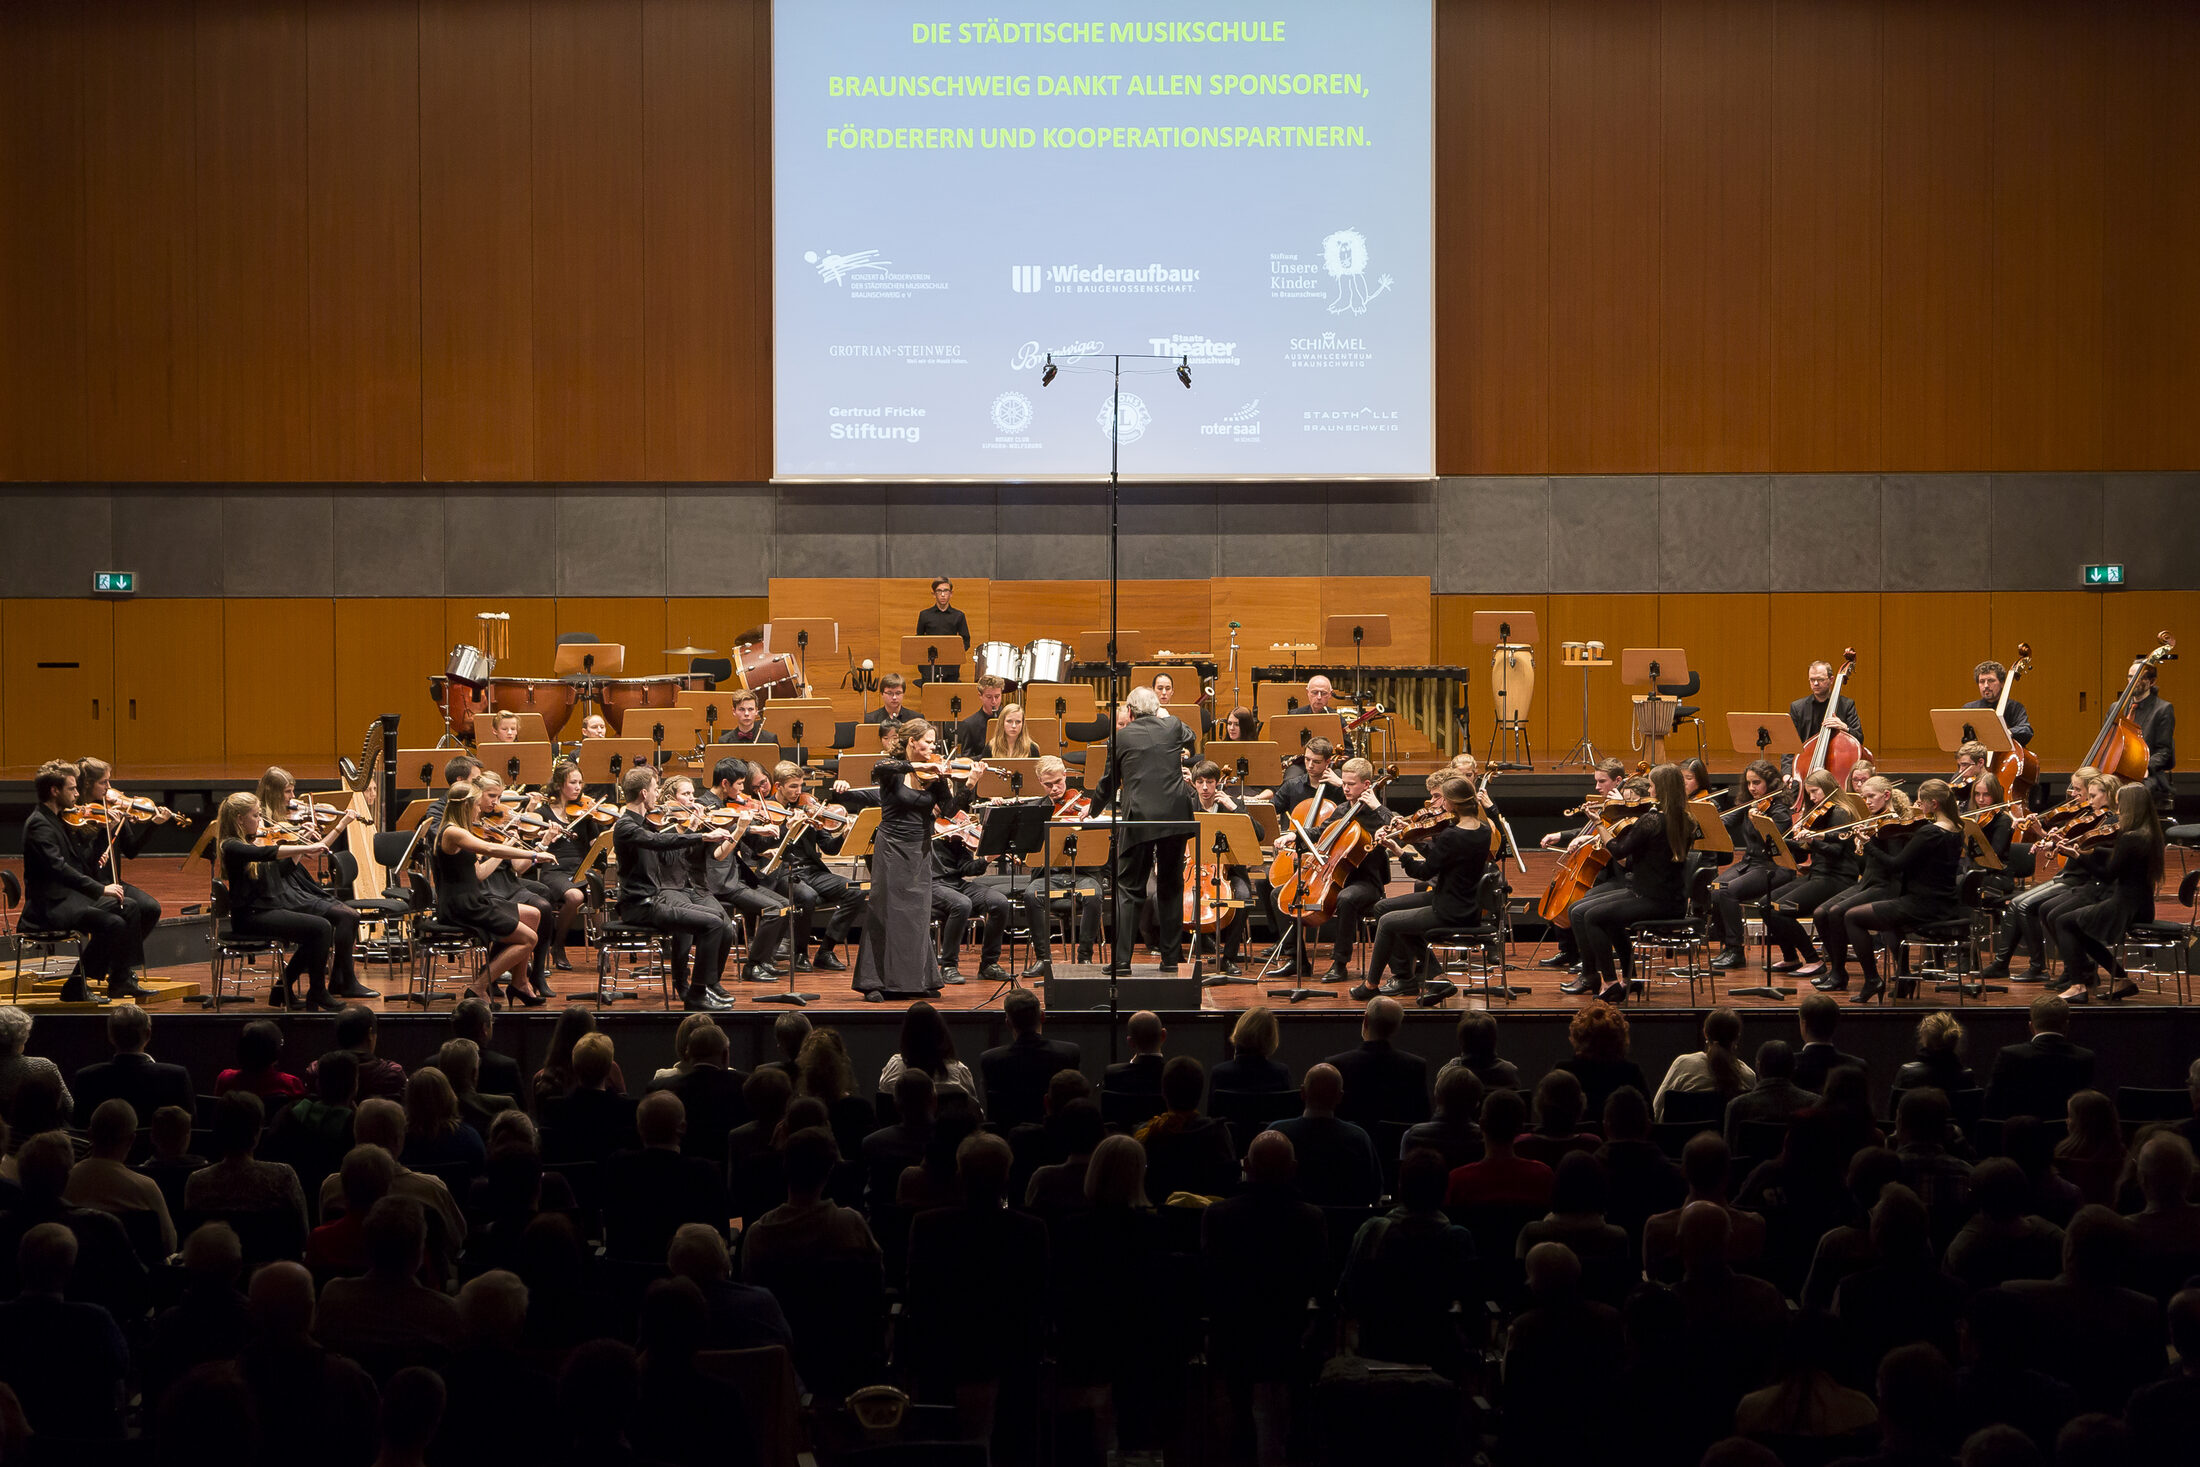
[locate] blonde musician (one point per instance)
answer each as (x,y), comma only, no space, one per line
(1452,863)
(260,907)
(462,900)
(2030,911)
(2123,871)
(1607,775)
(1829,866)
(504,728)
(1357,800)
(1008,739)
(813,886)
(546,899)
(971,733)
(1651,852)
(290,888)
(1063,889)
(1214,799)
(1875,881)
(1925,869)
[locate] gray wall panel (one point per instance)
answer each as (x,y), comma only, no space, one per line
(1381,530)
(172,538)
(719,541)
(1169,532)
(941,530)
(276,542)
(2150,523)
(1824,532)
(612,542)
(1604,533)
(1050,532)
(830,530)
(1272,529)
(502,544)
(1712,532)
(388,541)
(2045,527)
(1932,532)
(1493,536)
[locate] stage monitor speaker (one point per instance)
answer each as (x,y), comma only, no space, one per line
(1162,995)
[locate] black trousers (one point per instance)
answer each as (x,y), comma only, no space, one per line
(833,895)
(1832,919)
(1741,884)
(114,937)
(955,903)
(310,933)
(1399,923)
(1358,899)
(697,928)
(1163,861)
(1799,899)
(1600,928)
(755,903)
(343,929)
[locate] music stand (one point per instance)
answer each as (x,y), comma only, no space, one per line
(606,761)
(1192,716)
(1711,834)
(1362,631)
(683,730)
(1955,727)
(1130,646)
(797,728)
(1293,731)
(927,654)
(422,769)
(1265,820)
(518,764)
(949,702)
(806,635)
(1982,849)
(410,819)
(1506,629)
(1009,779)
(1065,703)
(855,770)
(598,849)
(1226,838)
(589,659)
(1647,667)
(1769,736)
(1775,837)
(1257,763)
(1783,858)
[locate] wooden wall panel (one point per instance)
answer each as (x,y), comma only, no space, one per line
(534,630)
(1175,615)
(1928,644)
(1271,609)
(2062,690)
(279,702)
(386,648)
(1404,599)
(249,127)
(140,283)
(1826,232)
(2130,621)
(1936,340)
(1802,629)
(2150,299)
(2049,214)
(851,602)
(1604,232)
(1493,236)
(714,621)
(1617,621)
(476,241)
(65,709)
(706,82)
(1726,641)
(1715,329)
(42,417)
(1452,644)
(169,683)
(1024,611)
(363,229)
(636,623)
(588,198)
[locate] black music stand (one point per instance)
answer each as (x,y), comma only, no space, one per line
(1013,831)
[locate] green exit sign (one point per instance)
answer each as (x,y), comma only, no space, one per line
(2104,575)
(114,583)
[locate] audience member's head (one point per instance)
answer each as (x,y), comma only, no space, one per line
(1775,1060)
(982,1164)
(1504,1117)
(1477,1039)
(412,1410)
(1871,1171)
(1939,1036)
(2050,1015)
(697,1252)
(492,1308)
(1626,1115)
(1024,1012)
(1917,1393)
(661,1120)
(336,1078)
(1183,1083)
(2001,1190)
(42,1167)
(1423,1177)
(354,1029)
(2095,1439)
(207,1418)
(1817,1016)
(366,1176)
(238,1117)
(129,1029)
(1703,1236)
(674,1324)
(1578,1185)
(1554,1273)
(1999,1445)
(380,1122)
(1256,1033)
(1598,1032)
(1459,1095)
(1077,1127)
(916,1097)
(1705,1161)
(593,1056)
(809,1159)
(1382,1020)
(790,1032)
(1321,1090)
(1116,1175)
(45,1259)
(171,1128)
(431,1104)
(1272,1161)
(1063,1087)
(1900,1229)
(925,1043)
(766,1092)
(471,1019)
(259,1046)
(2094,1127)
(1146,1034)
(114,1129)
(395,1237)
(600,1391)
(1559,1102)
(2165,1171)
(2096,1246)
(1921,1117)
(823,1069)
(15,1030)
(1847,1090)
(280,1297)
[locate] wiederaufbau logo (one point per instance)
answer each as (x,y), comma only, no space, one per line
(1344,258)
(1104,279)
(1199,348)
(1025,279)
(865,276)
(1242,426)
(1012,412)
(1134,420)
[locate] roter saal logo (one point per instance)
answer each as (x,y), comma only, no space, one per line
(1344,256)
(1012,412)
(1133,421)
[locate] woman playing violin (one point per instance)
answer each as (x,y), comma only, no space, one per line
(106,845)
(290,889)
(1983,791)
(1924,866)
(1452,856)
(541,890)
(1873,880)
(260,904)
(1008,740)
(462,858)
(1829,865)
(2092,795)
(811,884)
(897,955)
(1755,873)
(2123,870)
(1649,847)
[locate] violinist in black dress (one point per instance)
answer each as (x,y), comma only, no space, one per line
(252,878)
(1875,879)
(897,958)
(463,901)
(1756,872)
(1651,853)
(1926,868)
(294,890)
(2127,870)
(1829,866)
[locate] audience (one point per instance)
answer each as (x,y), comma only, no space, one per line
(15,1034)
(460,1062)
(473,1021)
(2004,1239)
(387,1317)
(66,1359)
(436,1135)
(1576,1219)
(1705,1166)
(1185,1150)
(381,1123)
(173,1163)
(926,1045)
(1477,1039)
(259,1065)
(131,1074)
(1940,1178)
(808,1226)
(312,1134)
(366,1177)
(1381,1081)
(1455,1131)
(301,1390)
(970,1332)
(1252,1068)
(2037,1076)
(1016,1073)
(1901,1297)
(2091,1154)
(1939,1061)
(1642,1180)
(1715,1069)
(790,1032)
(238,1181)
(1337,1162)
(590,1118)
(826,1076)
(355,1033)
(1817,1016)
(2165,1233)
(1141,1073)
(742,1316)
(1266,1251)
(106,1180)
(1408,1269)
(1559,1105)
(1599,1037)
(648,1194)
(1561,1337)
(210,1321)
(1772,1099)
(2084,1326)
(1075,1130)
(557,1079)
(1501,1177)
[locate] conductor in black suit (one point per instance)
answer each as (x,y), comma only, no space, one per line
(1809,714)
(1146,769)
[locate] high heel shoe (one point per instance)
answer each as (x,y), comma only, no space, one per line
(533,998)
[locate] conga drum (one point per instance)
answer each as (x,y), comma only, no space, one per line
(1512,680)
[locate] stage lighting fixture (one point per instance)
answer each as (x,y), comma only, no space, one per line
(1184,371)
(1046,378)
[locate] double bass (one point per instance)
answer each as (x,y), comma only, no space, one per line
(2019,769)
(2119,748)
(1835,750)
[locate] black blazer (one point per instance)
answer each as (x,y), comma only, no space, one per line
(50,869)
(1138,1075)
(2038,1077)
(648,1195)
(1813,1062)
(712,1095)
(1382,1083)
(500,1075)
(1015,1076)
(138,1078)
(588,1125)
(1146,771)
(1250,1073)
(1808,718)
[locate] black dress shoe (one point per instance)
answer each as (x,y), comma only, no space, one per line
(1084,954)
(1730,958)
(993,973)
(533,998)
(759,973)
(1614,993)
(1993,972)
(1577,986)
(1435,992)
(1873,987)
(1169,970)
(703,1001)
(280,997)
(874,996)
(765,969)
(1040,968)
(1786,965)
(1360,993)
(1337,975)
(952,975)
(557,961)
(1229,969)
(127,988)
(1398,988)
(356,989)
(323,1001)
(1555,960)
(828,961)
(76,991)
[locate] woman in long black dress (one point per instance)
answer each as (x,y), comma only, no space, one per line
(897,957)
(461,900)
(1926,867)
(1828,866)
(1756,871)
(2128,875)
(523,887)
(254,875)
(1876,880)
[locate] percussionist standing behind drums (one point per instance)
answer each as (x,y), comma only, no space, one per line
(1146,766)
(942,620)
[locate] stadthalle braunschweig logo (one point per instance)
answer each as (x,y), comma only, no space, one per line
(867,276)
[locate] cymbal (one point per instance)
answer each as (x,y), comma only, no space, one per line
(690,651)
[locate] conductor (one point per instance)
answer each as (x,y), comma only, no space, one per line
(1146,768)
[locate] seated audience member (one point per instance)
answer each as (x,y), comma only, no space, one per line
(755,1182)
(1337,1164)
(173,1163)
(1939,1061)
(488,1372)
(1716,1068)
(2083,1326)
(387,1314)
(2165,1234)
(303,1391)
(1599,1036)
(1408,1268)
(926,1045)
(382,1123)
(1800,1193)
(1902,1297)
(1105,1266)
(1141,1073)
(1732,1321)
(1501,1177)
(1808,1401)
(1774,1098)
(2165,1413)
(1558,1110)
(106,1180)
(130,1073)
(38,1111)
(808,1227)
(1818,1016)
(1252,1068)
(238,1181)
(1845,1100)
(209,1321)
(2025,1141)
(66,1360)
(1267,1253)
(2092,1152)
(682,1416)
(1477,1038)
(1577,1219)
(15,1033)
(891,1150)
(1454,1131)
(1995,1385)
(935,1181)
(436,1135)
(259,1066)
(1844,1249)
(648,1193)
(1187,1151)
(1076,1130)
(556,1078)
(2004,1240)
(365,1178)
(356,1032)
(1016,1073)
(1381,1081)
(1940,1178)
(1705,1164)
(1917,1420)
(790,1032)
(2037,1076)
(1641,1180)
(109,1272)
(312,1134)
(591,1120)
(473,1020)
(412,1416)
(742,1316)
(709,1091)
(460,1062)
(1561,1336)
(972,1332)
(828,1078)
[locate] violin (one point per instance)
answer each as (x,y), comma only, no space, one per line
(823,816)
(1076,805)
(576,811)
(963,827)
(945,769)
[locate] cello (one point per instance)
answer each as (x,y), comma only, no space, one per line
(2119,748)
(2019,769)
(1579,868)
(1307,882)
(1835,750)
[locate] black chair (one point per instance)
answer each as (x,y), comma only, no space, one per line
(231,951)
(1694,1107)
(1128,1112)
(1762,1140)
(1682,939)
(1250,1112)
(1951,947)
(1463,953)
(2173,938)
(834,1307)
(49,939)
(1673,1136)
(717,669)
(2140,1104)
(1686,713)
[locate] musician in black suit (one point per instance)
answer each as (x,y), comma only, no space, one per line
(60,893)
(1364,887)
(1016,1073)
(1990,676)
(891,710)
(94,786)
(970,734)
(2038,1076)
(1146,770)
(2157,721)
(943,620)
(1809,714)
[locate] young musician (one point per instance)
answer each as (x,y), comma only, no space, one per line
(1145,769)
(1989,677)
(892,690)
(1755,873)
(1214,799)
(1984,791)
(1926,866)
(1972,759)
(461,900)
(1828,867)
(1060,891)
(745,722)
(656,890)
(106,846)
(540,891)
(729,874)
(1608,775)
(504,728)
(1239,727)
(958,895)
(941,619)
(2026,917)
(1364,888)
(2157,722)
(2126,870)
(755,852)
(1876,880)
(897,956)
(594,727)
(1008,740)
(971,733)
(1307,773)
(290,888)
(1651,852)
(1453,863)
(1810,714)
(60,893)
(811,884)
(259,906)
